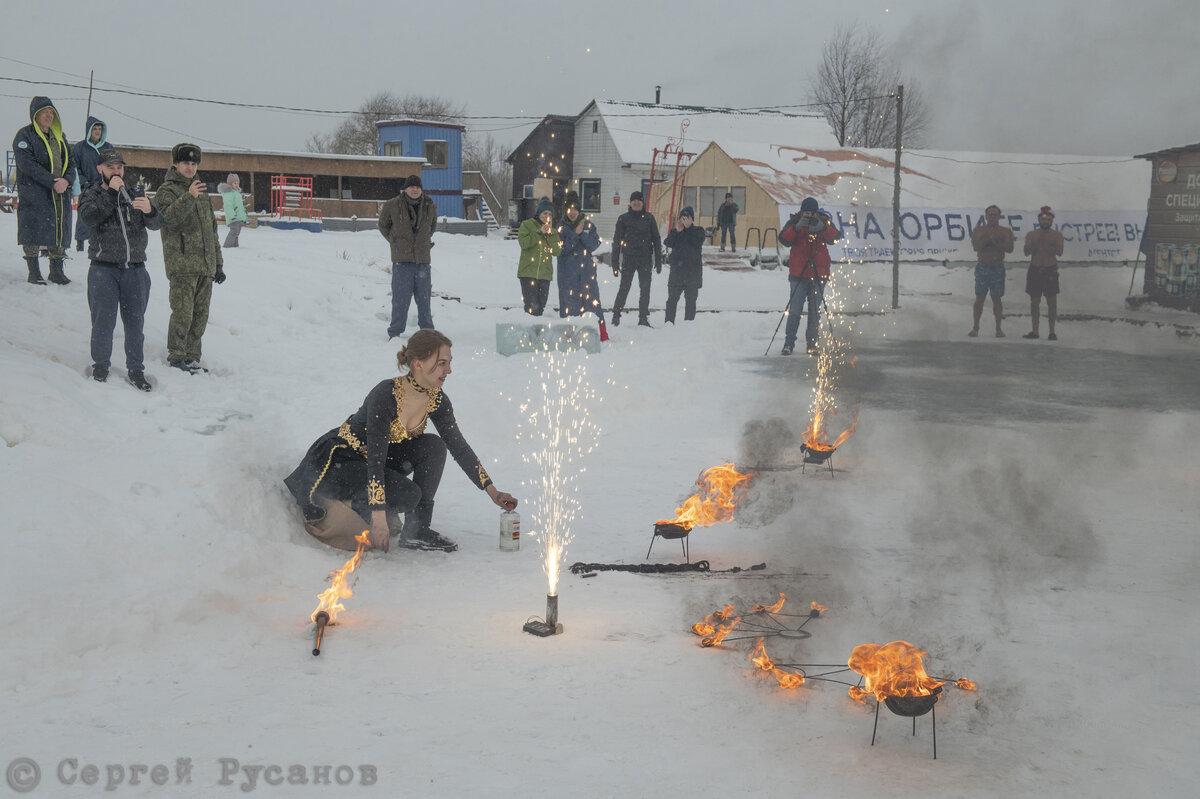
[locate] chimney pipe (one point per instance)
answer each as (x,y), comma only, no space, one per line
(657,94)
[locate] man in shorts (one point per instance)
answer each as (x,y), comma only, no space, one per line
(1043,245)
(991,242)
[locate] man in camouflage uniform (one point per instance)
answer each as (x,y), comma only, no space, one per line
(191,254)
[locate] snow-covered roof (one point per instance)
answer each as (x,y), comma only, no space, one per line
(940,178)
(638,128)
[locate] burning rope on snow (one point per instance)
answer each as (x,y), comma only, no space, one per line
(660,568)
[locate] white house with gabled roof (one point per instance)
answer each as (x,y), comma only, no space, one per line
(615,142)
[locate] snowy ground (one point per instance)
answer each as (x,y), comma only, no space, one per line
(1024,511)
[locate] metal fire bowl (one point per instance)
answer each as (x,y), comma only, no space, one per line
(816,455)
(670,530)
(792,634)
(913,706)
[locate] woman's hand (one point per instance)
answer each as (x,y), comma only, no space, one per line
(380,535)
(502,498)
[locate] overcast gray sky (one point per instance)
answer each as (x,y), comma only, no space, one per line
(1029,76)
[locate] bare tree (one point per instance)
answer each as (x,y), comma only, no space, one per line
(357,135)
(855,85)
(483,154)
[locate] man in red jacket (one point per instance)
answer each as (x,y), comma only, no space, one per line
(809,233)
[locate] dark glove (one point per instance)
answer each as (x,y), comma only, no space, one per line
(219,277)
(658,269)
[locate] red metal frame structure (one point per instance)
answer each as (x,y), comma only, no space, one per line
(673,148)
(293,197)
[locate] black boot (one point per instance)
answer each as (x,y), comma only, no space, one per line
(35,272)
(417,534)
(56,272)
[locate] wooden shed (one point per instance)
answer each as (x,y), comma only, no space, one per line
(1172,244)
(343,185)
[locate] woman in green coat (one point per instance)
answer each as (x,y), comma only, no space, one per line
(540,243)
(235,209)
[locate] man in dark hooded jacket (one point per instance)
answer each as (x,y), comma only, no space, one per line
(85,157)
(44,178)
(636,248)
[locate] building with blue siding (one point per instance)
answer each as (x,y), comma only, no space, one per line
(440,144)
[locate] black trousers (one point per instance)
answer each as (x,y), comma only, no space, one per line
(535,293)
(689,293)
(644,271)
(411,476)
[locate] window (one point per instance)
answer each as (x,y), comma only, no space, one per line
(645,189)
(527,191)
(589,195)
(595,126)
(739,197)
(393,149)
(689,196)
(437,153)
(710,198)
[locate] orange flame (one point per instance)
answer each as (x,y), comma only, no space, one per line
(778,606)
(720,489)
(786,679)
(966,684)
(815,436)
(819,608)
(719,636)
(893,669)
(330,600)
(859,695)
(707,627)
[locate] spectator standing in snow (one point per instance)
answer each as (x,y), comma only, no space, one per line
(85,157)
(636,249)
(991,241)
(578,289)
(727,221)
(408,221)
(685,241)
(1043,245)
(117,279)
(44,179)
(540,243)
(809,234)
(235,209)
(380,462)
(191,254)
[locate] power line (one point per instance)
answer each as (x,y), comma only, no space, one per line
(914,154)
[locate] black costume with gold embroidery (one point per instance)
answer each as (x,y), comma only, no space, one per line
(375,435)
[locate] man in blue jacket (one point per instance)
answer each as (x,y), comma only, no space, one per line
(85,157)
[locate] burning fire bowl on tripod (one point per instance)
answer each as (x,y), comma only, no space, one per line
(817,454)
(913,706)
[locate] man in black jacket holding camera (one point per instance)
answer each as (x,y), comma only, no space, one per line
(117,279)
(636,248)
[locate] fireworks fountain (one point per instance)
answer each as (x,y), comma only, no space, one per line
(557,436)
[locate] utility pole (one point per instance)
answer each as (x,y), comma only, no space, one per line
(91,75)
(896,198)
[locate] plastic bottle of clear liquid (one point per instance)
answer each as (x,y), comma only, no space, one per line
(510,531)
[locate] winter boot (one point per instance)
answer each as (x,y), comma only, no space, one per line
(35,272)
(417,534)
(56,272)
(603,331)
